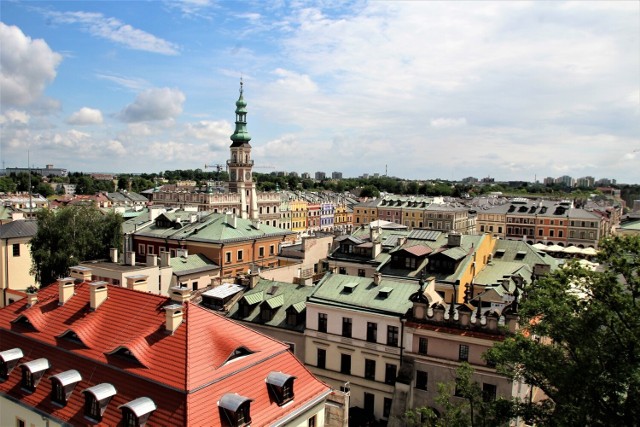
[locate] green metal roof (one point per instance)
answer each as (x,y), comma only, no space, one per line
(365,295)
(192,264)
(278,296)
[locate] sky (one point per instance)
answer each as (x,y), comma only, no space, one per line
(513,90)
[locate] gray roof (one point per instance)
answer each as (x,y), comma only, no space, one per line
(18,228)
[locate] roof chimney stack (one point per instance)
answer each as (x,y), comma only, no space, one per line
(454,239)
(138,282)
(66,289)
(173,317)
(80,272)
(113,255)
(165,259)
(377,276)
(152,260)
(97,294)
(180,295)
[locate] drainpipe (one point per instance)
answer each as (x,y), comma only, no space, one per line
(6,272)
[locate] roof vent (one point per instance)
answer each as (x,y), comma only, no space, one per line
(65,289)
(174,314)
(97,294)
(384,292)
(349,287)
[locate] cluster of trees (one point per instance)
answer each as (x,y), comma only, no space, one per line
(69,235)
(579,343)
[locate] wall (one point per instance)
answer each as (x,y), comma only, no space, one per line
(14,271)
(10,412)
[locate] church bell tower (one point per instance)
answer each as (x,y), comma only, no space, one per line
(240,164)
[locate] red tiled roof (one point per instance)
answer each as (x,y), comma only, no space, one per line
(184,373)
(419,250)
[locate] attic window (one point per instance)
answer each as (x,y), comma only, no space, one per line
(32,373)
(137,412)
(384,292)
(237,353)
(24,321)
(349,287)
(520,255)
(62,386)
(96,400)
(8,360)
(125,353)
(235,410)
(71,336)
(499,253)
(280,386)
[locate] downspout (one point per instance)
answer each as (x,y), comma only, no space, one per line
(6,272)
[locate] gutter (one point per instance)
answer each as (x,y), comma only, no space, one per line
(300,410)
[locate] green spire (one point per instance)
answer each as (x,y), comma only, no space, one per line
(241,135)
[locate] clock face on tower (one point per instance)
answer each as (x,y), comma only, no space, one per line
(247,176)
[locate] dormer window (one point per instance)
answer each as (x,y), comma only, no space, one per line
(62,386)
(235,410)
(348,288)
(32,373)
(137,412)
(96,400)
(8,360)
(280,386)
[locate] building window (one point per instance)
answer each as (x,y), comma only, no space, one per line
(392,336)
(227,257)
(20,423)
(369,403)
(237,415)
(321,358)
(280,387)
(312,422)
(390,373)
(137,412)
(150,249)
(372,332)
(346,327)
(342,270)
(322,322)
(370,369)
(16,249)
(62,386)
(421,380)
(489,392)
(32,373)
(272,250)
(141,248)
(463,353)
(261,252)
(386,407)
(345,364)
(240,254)
(194,286)
(423,345)
(361,272)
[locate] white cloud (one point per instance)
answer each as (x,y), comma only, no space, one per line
(26,66)
(116,31)
(154,104)
(215,132)
(14,116)
(85,116)
(132,83)
(443,122)
(115,147)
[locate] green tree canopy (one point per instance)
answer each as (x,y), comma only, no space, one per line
(581,341)
(70,235)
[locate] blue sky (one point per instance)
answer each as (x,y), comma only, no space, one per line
(511,90)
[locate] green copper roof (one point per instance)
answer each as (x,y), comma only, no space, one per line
(362,294)
(253,298)
(191,264)
(241,135)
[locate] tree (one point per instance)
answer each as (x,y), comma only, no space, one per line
(70,235)
(369,191)
(469,408)
(581,342)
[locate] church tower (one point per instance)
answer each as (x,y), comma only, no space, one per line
(240,164)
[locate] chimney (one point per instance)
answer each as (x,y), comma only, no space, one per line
(454,239)
(113,255)
(231,219)
(81,273)
(464,315)
(97,294)
(138,282)
(374,233)
(253,279)
(377,277)
(512,322)
(66,289)
(492,321)
(165,258)
(173,317)
(377,249)
(438,312)
(131,258)
(152,260)
(32,298)
(180,295)
(256,224)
